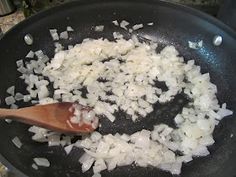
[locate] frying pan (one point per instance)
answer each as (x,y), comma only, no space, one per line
(173,25)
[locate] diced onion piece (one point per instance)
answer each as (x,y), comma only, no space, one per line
(19,63)
(8,121)
(54,34)
(54,140)
(43,92)
(34,166)
(99,166)
(123,24)
(69,28)
(86,161)
(117,35)
(16,141)
(137,26)
(11,90)
(68,148)
(97,175)
(42,162)
(99,28)
(10,100)
(13,106)
(19,96)
(150,24)
(27,98)
(115,22)
(64,35)
(30,55)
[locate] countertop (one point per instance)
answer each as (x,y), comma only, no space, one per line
(9,21)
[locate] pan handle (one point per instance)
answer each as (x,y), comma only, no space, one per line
(227,13)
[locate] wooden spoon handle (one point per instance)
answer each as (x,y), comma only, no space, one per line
(7,112)
(23,115)
(55,116)
(32,115)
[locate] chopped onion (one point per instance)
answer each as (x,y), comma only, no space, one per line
(19,96)
(58,46)
(13,106)
(34,166)
(43,92)
(27,98)
(54,140)
(150,24)
(16,141)
(22,70)
(40,133)
(130,30)
(99,28)
(69,148)
(123,24)
(54,34)
(176,168)
(86,161)
(137,26)
(19,63)
(115,22)
(99,166)
(30,55)
(201,151)
(69,28)
(96,136)
(70,47)
(64,35)
(10,100)
(11,90)
(97,175)
(42,162)
(8,121)
(117,35)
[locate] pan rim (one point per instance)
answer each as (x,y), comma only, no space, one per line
(47,12)
(202,15)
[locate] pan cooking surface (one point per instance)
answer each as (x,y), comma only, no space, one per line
(172,25)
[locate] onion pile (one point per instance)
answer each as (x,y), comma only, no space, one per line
(82,115)
(120,75)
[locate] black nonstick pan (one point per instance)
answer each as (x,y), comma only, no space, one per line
(173,24)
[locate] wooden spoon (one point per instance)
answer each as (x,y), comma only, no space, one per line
(54,116)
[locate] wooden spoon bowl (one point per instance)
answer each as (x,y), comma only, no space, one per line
(54,117)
